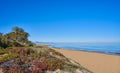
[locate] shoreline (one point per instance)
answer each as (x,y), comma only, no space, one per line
(94,61)
(115,54)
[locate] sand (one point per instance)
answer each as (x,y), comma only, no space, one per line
(96,62)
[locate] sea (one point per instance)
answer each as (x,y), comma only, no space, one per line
(106,48)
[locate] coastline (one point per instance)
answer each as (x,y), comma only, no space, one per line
(104,48)
(108,53)
(94,61)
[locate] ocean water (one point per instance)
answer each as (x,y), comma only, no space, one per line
(108,48)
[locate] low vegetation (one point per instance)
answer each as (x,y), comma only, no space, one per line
(36,60)
(19,55)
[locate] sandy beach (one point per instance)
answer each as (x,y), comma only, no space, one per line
(96,62)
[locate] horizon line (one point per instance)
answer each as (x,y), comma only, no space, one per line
(70,42)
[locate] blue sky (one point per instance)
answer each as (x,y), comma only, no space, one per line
(63,20)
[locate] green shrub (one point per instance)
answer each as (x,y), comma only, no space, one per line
(4,51)
(54,63)
(56,53)
(1,48)
(34,55)
(8,56)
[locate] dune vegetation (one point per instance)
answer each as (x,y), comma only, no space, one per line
(19,55)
